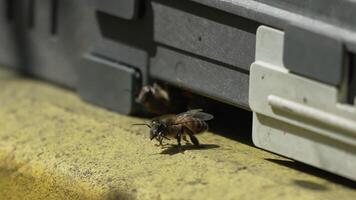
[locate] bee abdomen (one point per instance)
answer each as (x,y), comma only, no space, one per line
(197,126)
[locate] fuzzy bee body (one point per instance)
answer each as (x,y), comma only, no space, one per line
(195,125)
(160,100)
(178,126)
(174,124)
(155,99)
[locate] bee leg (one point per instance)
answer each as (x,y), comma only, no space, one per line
(192,137)
(194,140)
(163,146)
(161,143)
(158,140)
(184,137)
(179,136)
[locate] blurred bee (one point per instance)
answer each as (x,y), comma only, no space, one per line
(164,99)
(178,126)
(155,99)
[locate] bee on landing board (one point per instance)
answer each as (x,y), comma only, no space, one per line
(178,126)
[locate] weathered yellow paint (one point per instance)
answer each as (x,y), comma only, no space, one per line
(54,146)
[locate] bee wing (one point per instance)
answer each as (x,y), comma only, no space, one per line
(196,113)
(203,116)
(167,118)
(192,111)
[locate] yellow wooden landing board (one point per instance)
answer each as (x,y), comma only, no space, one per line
(54,146)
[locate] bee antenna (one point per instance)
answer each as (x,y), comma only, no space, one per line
(142,125)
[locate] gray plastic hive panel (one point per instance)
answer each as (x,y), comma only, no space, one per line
(108,84)
(205,32)
(210,36)
(314,55)
(46,38)
(127,9)
(296,116)
(123,52)
(332,17)
(7,36)
(351,93)
(340,11)
(131,45)
(221,83)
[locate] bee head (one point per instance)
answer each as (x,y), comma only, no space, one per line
(146,94)
(156,129)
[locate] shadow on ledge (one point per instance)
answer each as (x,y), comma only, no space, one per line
(173,149)
(310,185)
(315,172)
(231,122)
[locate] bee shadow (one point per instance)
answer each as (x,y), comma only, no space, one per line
(173,149)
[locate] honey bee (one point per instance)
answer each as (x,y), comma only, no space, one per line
(161,100)
(154,98)
(178,126)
